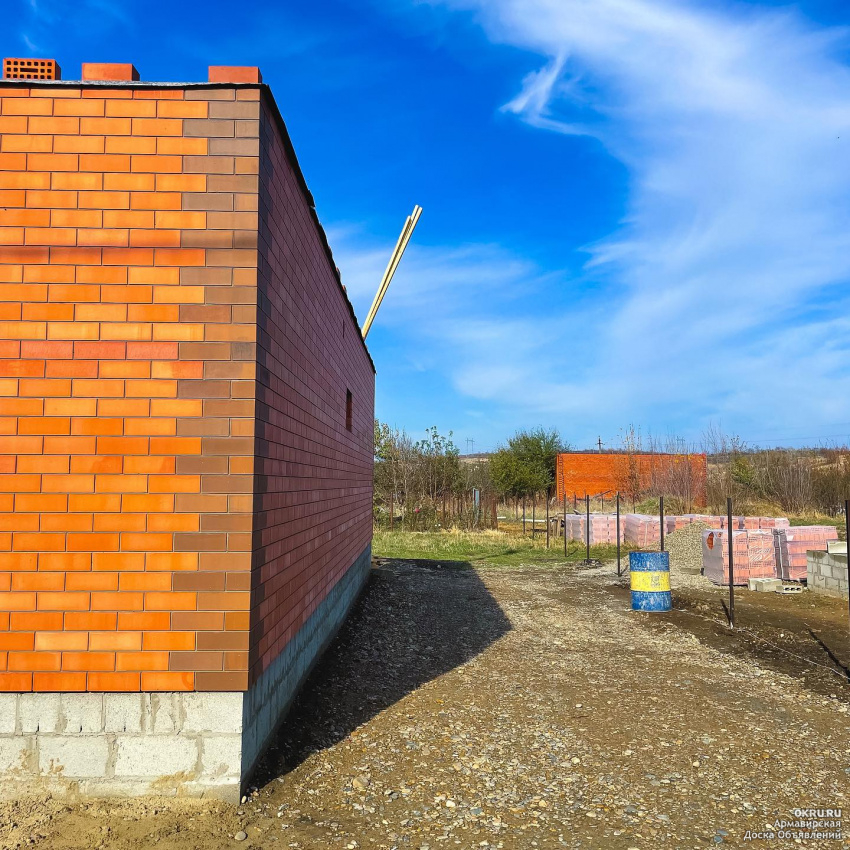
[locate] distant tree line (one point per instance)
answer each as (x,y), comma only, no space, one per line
(797,481)
(425,484)
(793,481)
(422,484)
(525,467)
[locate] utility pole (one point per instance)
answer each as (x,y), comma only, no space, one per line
(599,443)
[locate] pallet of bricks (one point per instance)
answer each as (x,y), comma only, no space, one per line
(753,551)
(603,529)
(767,552)
(642,530)
(739,523)
(791,545)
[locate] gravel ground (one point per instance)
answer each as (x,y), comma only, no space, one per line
(508,708)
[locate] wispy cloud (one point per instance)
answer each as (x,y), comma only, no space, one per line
(458,281)
(30,44)
(729,268)
(50,21)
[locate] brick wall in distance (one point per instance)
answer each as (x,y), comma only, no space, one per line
(592,473)
(314,476)
(127,328)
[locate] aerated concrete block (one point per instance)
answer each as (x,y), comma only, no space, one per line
(125,712)
(155,756)
(73,757)
(165,714)
(38,713)
(15,755)
(221,757)
(219,712)
(81,714)
(8,713)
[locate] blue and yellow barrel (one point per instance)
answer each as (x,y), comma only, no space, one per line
(650,572)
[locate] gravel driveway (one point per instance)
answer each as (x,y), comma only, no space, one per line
(509,708)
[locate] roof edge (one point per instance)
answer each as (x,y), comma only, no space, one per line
(125,84)
(311,204)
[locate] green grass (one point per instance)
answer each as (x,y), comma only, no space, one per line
(481,548)
(816,519)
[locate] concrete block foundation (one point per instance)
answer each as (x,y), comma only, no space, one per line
(194,744)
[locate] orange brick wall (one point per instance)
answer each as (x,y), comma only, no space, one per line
(128,361)
(593,473)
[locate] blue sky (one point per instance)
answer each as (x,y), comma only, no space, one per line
(635,211)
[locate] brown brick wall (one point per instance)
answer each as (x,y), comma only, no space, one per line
(314,476)
(128,360)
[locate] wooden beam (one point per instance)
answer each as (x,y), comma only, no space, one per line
(395,259)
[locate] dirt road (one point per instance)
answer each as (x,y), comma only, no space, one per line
(522,708)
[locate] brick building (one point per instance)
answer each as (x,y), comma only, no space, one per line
(581,474)
(186,427)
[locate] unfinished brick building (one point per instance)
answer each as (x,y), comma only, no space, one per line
(595,474)
(186,428)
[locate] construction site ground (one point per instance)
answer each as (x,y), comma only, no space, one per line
(527,707)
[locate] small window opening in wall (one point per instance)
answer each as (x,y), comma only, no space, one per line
(348,409)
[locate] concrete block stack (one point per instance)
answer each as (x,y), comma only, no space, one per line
(827,572)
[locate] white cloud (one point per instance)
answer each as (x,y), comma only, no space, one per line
(30,44)
(53,20)
(734,123)
(433,283)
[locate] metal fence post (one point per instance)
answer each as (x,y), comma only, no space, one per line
(731,564)
(661,519)
(523,516)
(565,526)
(547,517)
(618,533)
(847,537)
(587,525)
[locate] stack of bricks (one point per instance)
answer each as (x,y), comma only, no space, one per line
(752,551)
(791,546)
(141,423)
(642,530)
(603,529)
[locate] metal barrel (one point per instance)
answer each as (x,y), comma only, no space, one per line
(650,578)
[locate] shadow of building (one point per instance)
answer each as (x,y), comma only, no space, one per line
(415,621)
